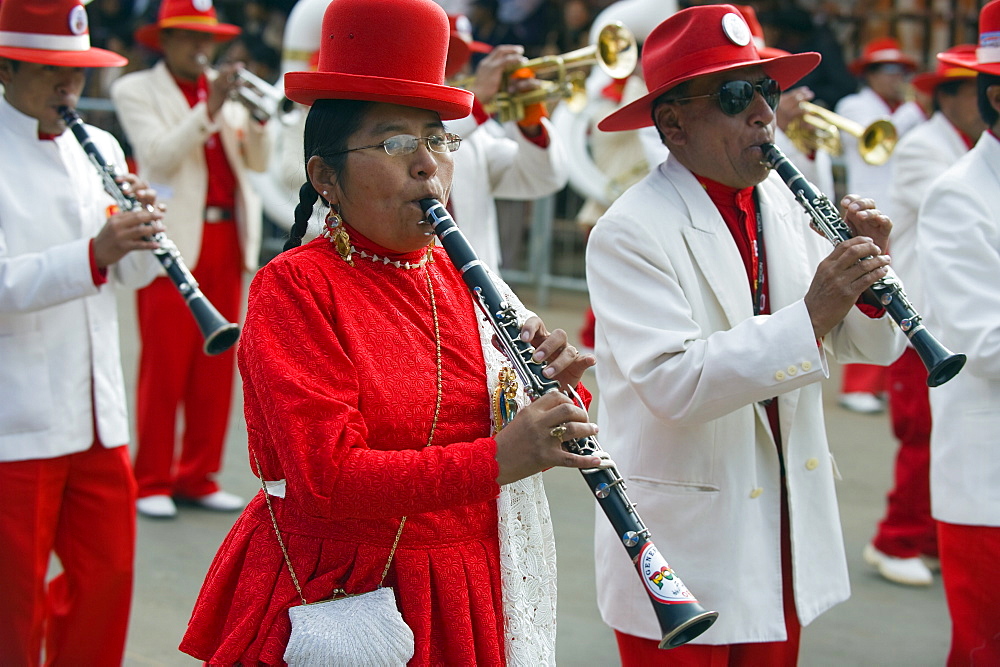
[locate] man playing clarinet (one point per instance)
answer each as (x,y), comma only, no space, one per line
(716,309)
(64,462)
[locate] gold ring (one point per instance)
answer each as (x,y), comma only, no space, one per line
(558,432)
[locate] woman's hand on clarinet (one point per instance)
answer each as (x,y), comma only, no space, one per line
(532,441)
(126,231)
(563,362)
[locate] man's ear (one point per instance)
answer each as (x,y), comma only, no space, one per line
(668,122)
(6,71)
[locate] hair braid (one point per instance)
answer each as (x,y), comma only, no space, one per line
(303,211)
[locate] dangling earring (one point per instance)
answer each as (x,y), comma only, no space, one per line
(334,230)
(430,250)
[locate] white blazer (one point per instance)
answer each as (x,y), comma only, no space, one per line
(58,331)
(958,248)
(168,137)
(921,156)
(498,162)
(682,366)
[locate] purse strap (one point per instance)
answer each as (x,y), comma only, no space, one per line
(284,551)
(430,440)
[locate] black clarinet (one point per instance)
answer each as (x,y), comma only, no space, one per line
(680,615)
(942,364)
(218,333)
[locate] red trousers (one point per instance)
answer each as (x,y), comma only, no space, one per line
(175,372)
(82,508)
(640,652)
(969,557)
(866,378)
(908,529)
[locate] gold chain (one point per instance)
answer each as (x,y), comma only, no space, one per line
(430,440)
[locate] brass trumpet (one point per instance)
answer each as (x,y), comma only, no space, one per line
(260,98)
(820,128)
(614,51)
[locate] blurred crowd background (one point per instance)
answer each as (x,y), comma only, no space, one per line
(554,257)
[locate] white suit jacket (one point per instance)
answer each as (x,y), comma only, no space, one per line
(865,107)
(682,365)
(958,247)
(58,331)
(168,137)
(920,157)
(498,162)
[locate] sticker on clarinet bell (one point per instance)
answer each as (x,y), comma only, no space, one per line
(659,579)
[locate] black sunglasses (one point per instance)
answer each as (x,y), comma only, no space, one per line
(735,96)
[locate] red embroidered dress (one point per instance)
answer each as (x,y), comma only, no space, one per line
(339,373)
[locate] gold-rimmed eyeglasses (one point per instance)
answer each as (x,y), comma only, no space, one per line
(404,144)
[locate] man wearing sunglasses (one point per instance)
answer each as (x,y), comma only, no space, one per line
(716,308)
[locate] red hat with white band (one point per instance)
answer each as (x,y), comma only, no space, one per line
(391,51)
(196,15)
(986,58)
(461,46)
(701,40)
(51,33)
(881,51)
(928,82)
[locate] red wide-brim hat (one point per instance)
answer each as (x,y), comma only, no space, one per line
(196,15)
(986,58)
(697,41)
(391,51)
(461,46)
(882,51)
(928,82)
(51,33)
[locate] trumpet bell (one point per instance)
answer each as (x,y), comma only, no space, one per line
(617,52)
(820,128)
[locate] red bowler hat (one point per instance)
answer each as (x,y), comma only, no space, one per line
(700,40)
(929,81)
(881,51)
(391,51)
(197,15)
(461,46)
(986,58)
(51,33)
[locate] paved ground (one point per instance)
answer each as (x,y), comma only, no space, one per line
(882,624)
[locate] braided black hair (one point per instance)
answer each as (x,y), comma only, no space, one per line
(328,126)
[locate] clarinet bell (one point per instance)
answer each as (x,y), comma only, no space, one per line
(219,334)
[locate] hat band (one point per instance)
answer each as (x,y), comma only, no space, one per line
(33,40)
(886,54)
(180,20)
(691,65)
(988,54)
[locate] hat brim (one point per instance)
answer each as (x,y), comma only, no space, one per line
(149,35)
(928,82)
(859,66)
(969,61)
(307,87)
(786,70)
(93,57)
(459,53)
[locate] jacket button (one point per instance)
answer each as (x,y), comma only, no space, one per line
(812,464)
(780,375)
(792,370)
(756,492)
(806,365)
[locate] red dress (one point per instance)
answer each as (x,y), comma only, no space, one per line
(339,374)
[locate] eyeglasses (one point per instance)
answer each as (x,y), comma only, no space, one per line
(404,144)
(735,96)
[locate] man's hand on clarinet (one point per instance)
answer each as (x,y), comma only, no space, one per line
(126,231)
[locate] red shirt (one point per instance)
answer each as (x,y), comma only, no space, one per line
(221,179)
